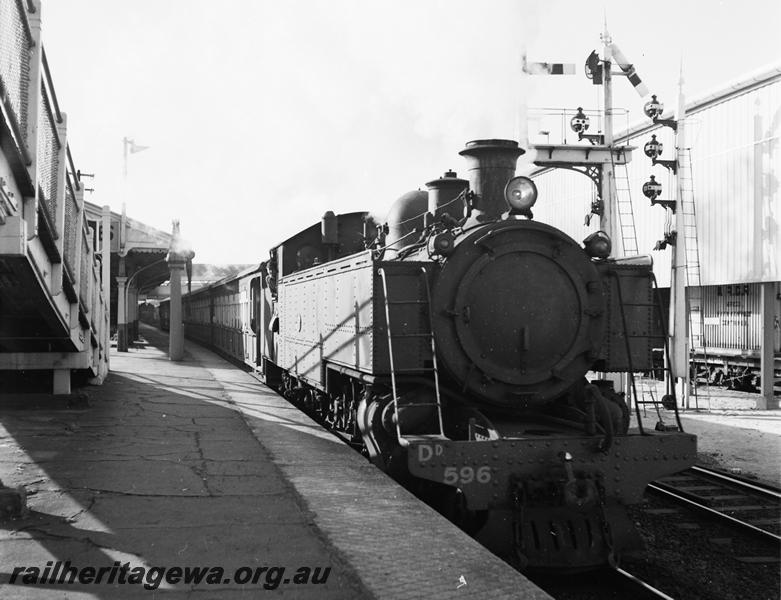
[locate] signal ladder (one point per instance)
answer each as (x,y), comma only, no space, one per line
(622,193)
(693,280)
(391,307)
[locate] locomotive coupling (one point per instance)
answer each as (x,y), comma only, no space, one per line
(577,492)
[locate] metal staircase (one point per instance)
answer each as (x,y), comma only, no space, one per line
(390,308)
(622,192)
(648,395)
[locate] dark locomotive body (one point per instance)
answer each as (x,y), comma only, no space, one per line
(454,348)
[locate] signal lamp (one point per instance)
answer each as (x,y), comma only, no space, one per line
(653,148)
(580,122)
(598,245)
(653,109)
(652,189)
(520,194)
(594,68)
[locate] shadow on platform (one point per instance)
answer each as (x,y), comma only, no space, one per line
(160,469)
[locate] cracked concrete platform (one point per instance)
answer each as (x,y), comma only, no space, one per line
(198,464)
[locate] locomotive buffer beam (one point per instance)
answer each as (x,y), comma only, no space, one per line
(485,471)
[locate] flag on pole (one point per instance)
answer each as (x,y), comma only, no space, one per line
(136,148)
(544,68)
(130,147)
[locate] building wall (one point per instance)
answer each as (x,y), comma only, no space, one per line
(734,141)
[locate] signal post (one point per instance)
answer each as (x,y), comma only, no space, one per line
(598,161)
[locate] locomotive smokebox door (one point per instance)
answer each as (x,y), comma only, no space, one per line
(519,308)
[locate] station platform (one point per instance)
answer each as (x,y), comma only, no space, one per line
(173,471)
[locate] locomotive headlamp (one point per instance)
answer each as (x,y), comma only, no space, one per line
(520,194)
(653,148)
(580,122)
(653,108)
(652,189)
(598,245)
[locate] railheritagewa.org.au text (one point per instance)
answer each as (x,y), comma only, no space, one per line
(152,577)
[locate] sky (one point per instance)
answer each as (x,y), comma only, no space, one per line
(261,115)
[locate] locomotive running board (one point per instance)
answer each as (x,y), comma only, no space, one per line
(485,471)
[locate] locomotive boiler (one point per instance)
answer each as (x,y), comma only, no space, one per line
(463,346)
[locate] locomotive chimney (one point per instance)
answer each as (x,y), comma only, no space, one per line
(491,164)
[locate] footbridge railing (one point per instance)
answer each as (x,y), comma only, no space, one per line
(54,311)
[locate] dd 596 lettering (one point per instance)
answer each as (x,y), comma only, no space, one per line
(467,474)
(455,475)
(426,453)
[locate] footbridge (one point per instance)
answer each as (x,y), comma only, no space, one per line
(61,300)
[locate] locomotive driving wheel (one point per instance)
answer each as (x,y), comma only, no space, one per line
(379,436)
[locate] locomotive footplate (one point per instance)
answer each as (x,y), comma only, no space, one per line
(488,472)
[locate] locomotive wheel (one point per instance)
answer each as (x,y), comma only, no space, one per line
(382,448)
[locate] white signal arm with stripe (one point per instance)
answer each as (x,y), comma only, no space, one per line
(629,70)
(545,68)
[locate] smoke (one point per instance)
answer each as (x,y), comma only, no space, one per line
(179,245)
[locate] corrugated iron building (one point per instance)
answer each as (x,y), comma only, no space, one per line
(733,135)
(734,140)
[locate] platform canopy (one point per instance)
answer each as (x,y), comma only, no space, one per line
(138,253)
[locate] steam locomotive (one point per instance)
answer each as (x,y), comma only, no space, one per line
(452,344)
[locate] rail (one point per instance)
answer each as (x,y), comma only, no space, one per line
(607,582)
(70,229)
(758,487)
(47,79)
(551,125)
(17,41)
(644,588)
(74,174)
(48,156)
(709,492)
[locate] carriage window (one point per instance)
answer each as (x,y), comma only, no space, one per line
(254,306)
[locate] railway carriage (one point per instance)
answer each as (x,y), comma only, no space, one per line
(732,323)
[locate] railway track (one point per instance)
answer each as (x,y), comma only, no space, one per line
(636,587)
(603,584)
(750,506)
(665,576)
